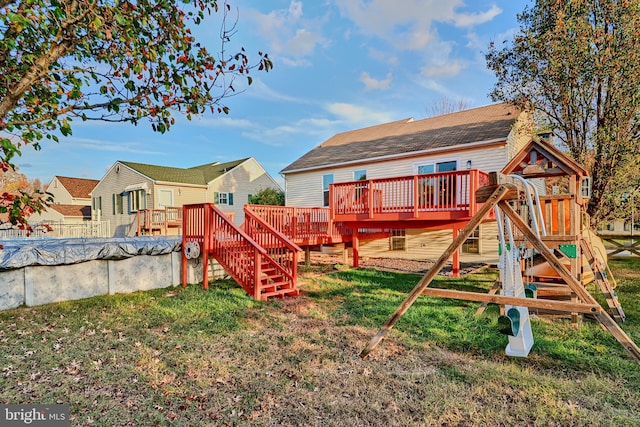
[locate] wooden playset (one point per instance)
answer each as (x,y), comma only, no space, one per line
(530,224)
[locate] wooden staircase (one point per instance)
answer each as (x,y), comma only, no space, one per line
(258,258)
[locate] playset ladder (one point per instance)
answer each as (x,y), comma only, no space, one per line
(601,279)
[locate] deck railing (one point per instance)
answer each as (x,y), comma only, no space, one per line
(435,192)
(158,219)
(238,253)
(279,247)
(300,224)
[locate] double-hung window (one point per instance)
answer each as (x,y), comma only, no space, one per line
(137,200)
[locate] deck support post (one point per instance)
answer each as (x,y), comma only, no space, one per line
(356,248)
(455,262)
(307,256)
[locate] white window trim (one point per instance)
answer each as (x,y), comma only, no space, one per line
(434,162)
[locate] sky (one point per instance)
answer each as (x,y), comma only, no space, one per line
(339,65)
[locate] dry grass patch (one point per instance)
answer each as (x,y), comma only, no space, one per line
(196,357)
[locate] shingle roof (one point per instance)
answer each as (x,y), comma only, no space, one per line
(78,187)
(407,136)
(73,210)
(198,175)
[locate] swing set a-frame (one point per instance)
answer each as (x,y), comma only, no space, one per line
(554,229)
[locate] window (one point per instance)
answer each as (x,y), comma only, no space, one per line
(360,175)
(137,200)
(398,240)
(326,181)
(97,203)
(223,199)
(165,198)
(472,244)
(117,207)
(423,169)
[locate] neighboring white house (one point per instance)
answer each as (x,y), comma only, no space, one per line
(484,138)
(129,187)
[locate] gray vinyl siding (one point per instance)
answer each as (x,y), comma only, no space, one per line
(114,182)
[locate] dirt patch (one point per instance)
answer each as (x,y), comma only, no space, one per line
(398,265)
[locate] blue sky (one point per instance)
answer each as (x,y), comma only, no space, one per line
(339,65)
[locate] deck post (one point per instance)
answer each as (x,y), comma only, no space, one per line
(356,248)
(455,262)
(307,256)
(474,182)
(257,274)
(206,231)
(416,198)
(183,255)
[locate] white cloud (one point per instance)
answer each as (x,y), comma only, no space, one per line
(357,115)
(370,83)
(292,37)
(408,25)
(261,90)
(450,69)
(384,57)
(279,136)
(470,19)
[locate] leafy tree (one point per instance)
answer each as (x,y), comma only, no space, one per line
(109,60)
(577,65)
(268,196)
(16,197)
(12,180)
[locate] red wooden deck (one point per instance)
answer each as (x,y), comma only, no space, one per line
(263,256)
(415,200)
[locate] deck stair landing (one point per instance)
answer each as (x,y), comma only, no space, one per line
(259,259)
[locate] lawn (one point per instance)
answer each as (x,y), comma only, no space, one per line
(193,357)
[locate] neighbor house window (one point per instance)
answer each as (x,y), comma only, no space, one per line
(398,240)
(117,204)
(137,200)
(223,199)
(97,203)
(326,181)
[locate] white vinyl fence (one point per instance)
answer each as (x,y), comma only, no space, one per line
(60,230)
